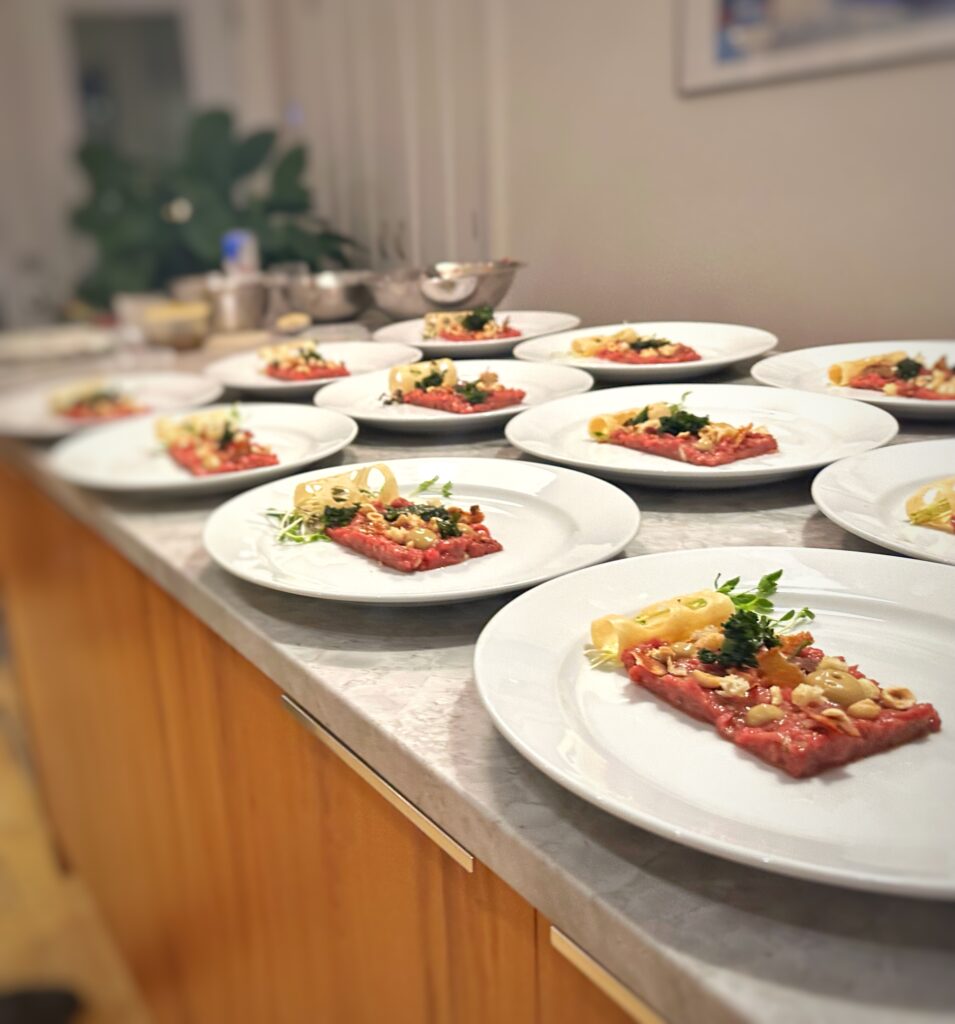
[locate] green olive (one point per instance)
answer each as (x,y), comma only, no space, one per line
(840,687)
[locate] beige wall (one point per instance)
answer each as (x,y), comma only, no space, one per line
(821,209)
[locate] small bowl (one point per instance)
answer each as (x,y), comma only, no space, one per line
(330,295)
(179,325)
(408,293)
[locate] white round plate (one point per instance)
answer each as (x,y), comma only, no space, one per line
(875,824)
(811,431)
(866,495)
(244,372)
(361,397)
(27,412)
(719,346)
(806,369)
(126,457)
(531,324)
(55,341)
(542,515)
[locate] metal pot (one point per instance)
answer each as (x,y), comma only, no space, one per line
(238,301)
(407,293)
(330,295)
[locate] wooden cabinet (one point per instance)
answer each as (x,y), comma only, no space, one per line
(249,873)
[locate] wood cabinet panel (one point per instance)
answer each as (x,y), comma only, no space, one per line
(248,874)
(567,995)
(75,610)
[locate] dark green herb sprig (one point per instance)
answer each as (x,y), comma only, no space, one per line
(447,519)
(677,421)
(642,343)
(432,486)
(470,392)
(478,318)
(908,368)
(752,625)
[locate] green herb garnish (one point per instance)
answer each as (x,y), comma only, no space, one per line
(447,519)
(680,421)
(478,318)
(642,343)
(294,528)
(432,486)
(907,369)
(433,380)
(642,416)
(752,626)
(470,392)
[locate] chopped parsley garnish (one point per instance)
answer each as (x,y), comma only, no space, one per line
(470,392)
(447,519)
(751,626)
(433,380)
(680,421)
(907,369)
(642,416)
(478,318)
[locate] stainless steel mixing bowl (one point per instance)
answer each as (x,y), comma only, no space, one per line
(407,293)
(330,294)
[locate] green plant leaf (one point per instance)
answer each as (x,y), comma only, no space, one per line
(210,147)
(249,155)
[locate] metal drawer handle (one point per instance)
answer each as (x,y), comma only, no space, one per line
(615,991)
(417,818)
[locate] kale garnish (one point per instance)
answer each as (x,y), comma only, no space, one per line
(907,369)
(470,392)
(642,416)
(478,318)
(680,421)
(447,519)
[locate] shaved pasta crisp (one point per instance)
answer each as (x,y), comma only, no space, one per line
(934,505)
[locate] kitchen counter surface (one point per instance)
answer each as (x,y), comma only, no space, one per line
(702,940)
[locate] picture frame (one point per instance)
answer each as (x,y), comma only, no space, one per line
(728,44)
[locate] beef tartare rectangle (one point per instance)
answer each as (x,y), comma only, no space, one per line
(300,360)
(94,402)
(435,385)
(405,535)
(627,346)
(670,431)
(211,442)
(713,656)
(468,325)
(897,374)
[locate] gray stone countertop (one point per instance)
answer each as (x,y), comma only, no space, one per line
(703,940)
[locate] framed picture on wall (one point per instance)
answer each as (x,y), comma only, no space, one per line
(732,43)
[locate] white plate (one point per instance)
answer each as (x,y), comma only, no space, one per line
(361,397)
(26,412)
(531,324)
(542,515)
(126,457)
(811,430)
(807,370)
(877,824)
(55,341)
(719,346)
(866,495)
(244,371)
